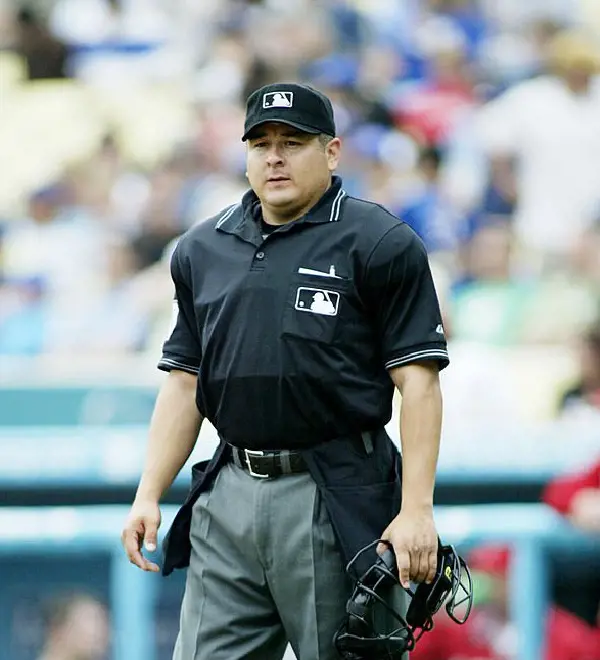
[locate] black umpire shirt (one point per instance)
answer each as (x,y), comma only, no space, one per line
(292,332)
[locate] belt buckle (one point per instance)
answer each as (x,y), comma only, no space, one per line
(248,453)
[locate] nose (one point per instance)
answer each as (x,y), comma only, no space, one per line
(274,155)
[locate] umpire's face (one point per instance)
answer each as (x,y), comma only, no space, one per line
(289,170)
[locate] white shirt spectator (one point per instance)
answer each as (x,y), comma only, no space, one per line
(555,136)
(95,21)
(66,254)
(513,14)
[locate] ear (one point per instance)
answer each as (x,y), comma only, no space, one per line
(333,151)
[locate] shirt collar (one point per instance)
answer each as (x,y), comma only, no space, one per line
(241,219)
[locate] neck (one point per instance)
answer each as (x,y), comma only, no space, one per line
(274,216)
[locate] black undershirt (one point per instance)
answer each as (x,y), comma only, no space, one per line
(266,228)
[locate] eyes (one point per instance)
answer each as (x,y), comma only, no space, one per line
(288,144)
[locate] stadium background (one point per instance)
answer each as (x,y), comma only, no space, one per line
(119,129)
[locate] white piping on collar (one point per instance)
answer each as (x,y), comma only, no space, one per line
(334,216)
(226,215)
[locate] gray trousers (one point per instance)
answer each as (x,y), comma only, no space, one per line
(264,570)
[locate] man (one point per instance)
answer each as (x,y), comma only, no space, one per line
(299,393)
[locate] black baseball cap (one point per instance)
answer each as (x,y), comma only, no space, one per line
(300,106)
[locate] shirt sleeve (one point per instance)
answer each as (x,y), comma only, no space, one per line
(401,298)
(182,348)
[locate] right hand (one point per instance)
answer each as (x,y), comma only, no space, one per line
(141,528)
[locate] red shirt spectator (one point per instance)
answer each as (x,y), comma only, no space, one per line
(577,496)
(570,638)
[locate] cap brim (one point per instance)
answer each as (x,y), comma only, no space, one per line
(294,124)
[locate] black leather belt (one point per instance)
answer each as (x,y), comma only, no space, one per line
(268,464)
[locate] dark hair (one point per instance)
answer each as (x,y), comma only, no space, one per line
(324,139)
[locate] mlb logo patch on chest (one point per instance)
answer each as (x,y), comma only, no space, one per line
(317,301)
(278,100)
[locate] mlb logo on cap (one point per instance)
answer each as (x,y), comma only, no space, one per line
(278,100)
(300,106)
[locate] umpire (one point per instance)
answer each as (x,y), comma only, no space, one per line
(298,312)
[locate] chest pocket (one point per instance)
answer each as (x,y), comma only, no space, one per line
(315,307)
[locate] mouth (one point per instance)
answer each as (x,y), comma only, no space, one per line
(277,179)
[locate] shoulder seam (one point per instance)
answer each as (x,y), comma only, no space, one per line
(379,206)
(376,246)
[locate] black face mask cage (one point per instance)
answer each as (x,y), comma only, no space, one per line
(461,595)
(452,585)
(357,640)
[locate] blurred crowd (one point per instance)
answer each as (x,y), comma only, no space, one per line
(475,121)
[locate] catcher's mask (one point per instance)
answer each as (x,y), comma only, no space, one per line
(375,628)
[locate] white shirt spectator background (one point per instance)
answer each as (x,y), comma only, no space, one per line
(555,136)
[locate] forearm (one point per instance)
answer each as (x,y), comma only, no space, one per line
(420,430)
(174,429)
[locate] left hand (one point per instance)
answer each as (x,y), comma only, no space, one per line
(414,538)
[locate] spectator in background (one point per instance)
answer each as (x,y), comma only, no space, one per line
(85,21)
(430,109)
(45,55)
(428,211)
(586,392)
(564,302)
(577,497)
(77,628)
(22,316)
(487,303)
(161,219)
(585,259)
(59,247)
(495,302)
(115,320)
(549,126)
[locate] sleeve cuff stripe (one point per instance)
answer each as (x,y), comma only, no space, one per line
(418,355)
(174,364)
